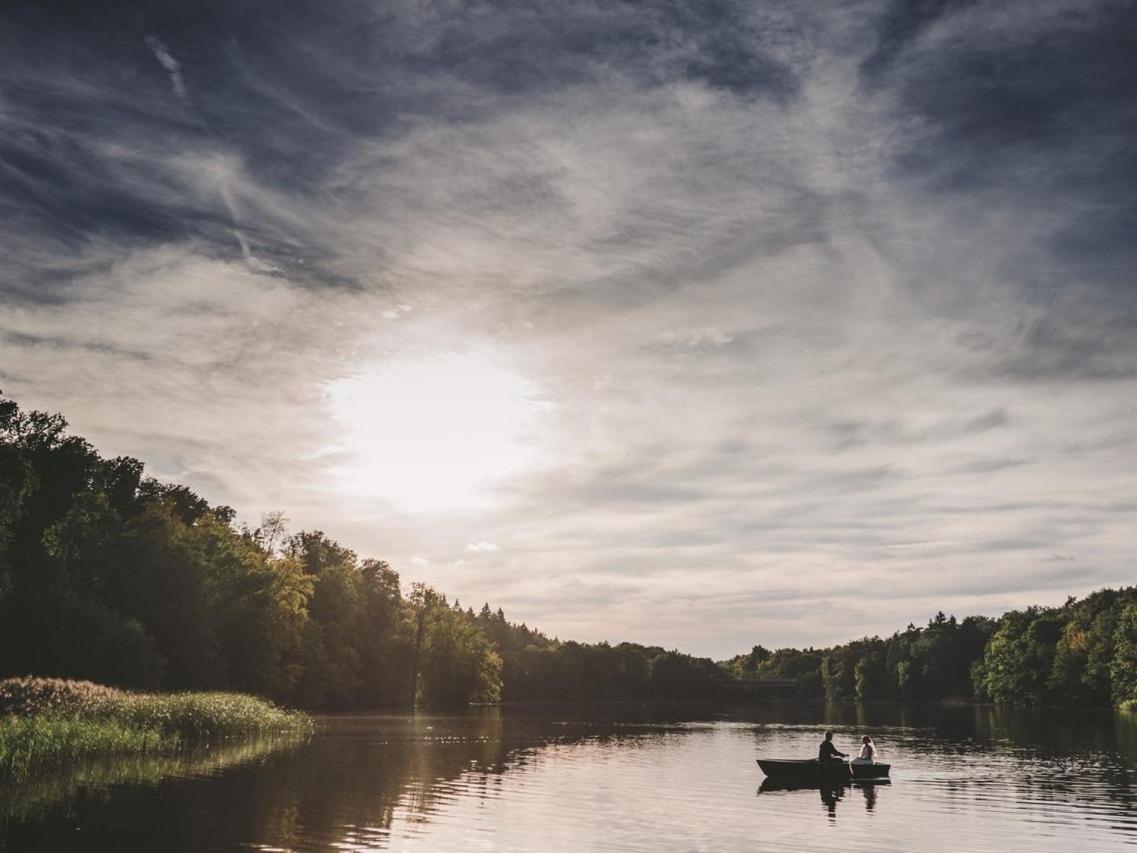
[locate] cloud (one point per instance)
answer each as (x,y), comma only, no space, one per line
(827,307)
(699,337)
(482,547)
(169,63)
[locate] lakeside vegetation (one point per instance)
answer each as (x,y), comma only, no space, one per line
(1083,653)
(53,720)
(108,575)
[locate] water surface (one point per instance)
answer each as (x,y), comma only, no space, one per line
(963,778)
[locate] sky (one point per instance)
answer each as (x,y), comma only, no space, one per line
(698,324)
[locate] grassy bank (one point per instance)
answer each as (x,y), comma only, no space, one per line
(50,719)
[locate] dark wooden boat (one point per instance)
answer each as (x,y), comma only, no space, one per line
(810,771)
(869,772)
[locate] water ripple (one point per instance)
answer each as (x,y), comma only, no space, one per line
(963,779)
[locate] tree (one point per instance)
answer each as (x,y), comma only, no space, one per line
(420,603)
(1020,656)
(263,620)
(1123,671)
(869,676)
(382,643)
(458,664)
(162,576)
(273,531)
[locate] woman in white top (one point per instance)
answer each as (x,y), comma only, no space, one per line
(868,752)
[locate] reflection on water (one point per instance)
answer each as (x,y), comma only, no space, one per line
(48,787)
(648,779)
(831,794)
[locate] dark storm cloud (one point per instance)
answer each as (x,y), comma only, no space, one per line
(519,48)
(902,22)
(1035,101)
(1094,347)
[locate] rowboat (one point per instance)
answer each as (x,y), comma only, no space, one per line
(811,771)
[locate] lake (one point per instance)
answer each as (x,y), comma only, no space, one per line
(645,779)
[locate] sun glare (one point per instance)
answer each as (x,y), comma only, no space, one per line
(435,433)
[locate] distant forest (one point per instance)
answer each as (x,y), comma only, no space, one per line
(108,575)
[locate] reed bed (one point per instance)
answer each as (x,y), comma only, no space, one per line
(52,719)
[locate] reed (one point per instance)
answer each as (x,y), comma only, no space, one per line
(51,719)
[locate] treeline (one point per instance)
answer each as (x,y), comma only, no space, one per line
(111,576)
(536,669)
(1082,653)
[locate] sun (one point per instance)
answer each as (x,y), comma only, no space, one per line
(435,433)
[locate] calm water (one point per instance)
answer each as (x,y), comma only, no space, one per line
(970,779)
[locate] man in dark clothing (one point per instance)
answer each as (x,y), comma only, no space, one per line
(828,752)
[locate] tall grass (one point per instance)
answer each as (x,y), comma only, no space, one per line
(51,719)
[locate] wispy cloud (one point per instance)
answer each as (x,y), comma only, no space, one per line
(482,547)
(169,63)
(825,312)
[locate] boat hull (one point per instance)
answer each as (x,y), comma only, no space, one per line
(809,772)
(868,772)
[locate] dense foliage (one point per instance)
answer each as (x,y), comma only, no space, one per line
(108,575)
(920,664)
(1082,653)
(536,669)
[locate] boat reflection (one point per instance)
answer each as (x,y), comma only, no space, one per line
(831,794)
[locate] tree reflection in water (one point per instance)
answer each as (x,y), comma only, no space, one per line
(519,777)
(360,776)
(54,786)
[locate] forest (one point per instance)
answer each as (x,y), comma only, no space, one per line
(1083,653)
(112,576)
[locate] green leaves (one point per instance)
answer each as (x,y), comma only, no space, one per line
(1123,669)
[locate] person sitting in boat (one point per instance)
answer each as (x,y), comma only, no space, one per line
(828,752)
(868,752)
